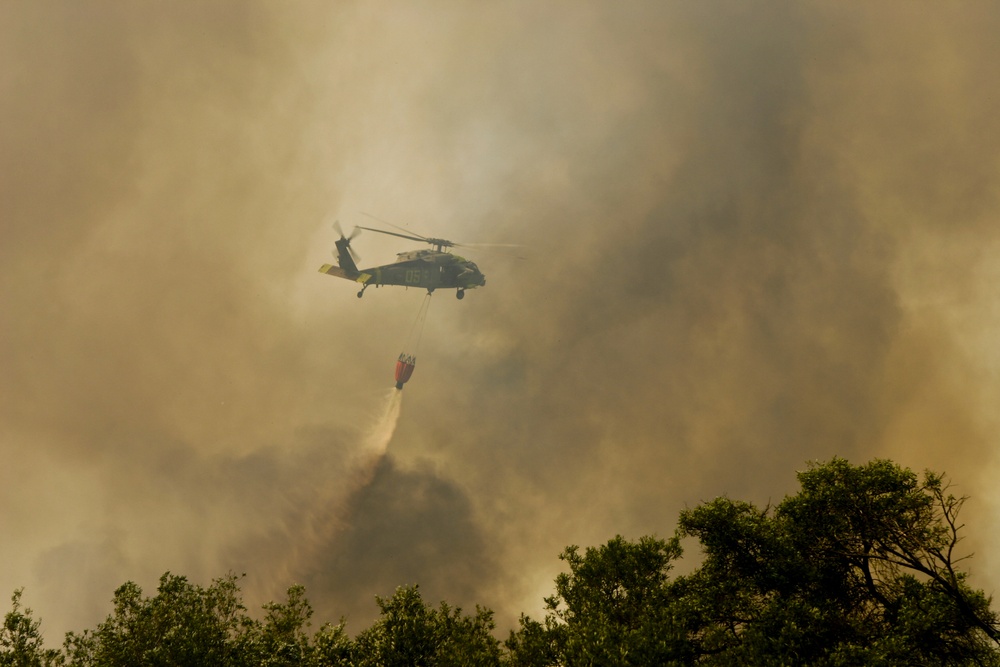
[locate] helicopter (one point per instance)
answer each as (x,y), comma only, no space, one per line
(426,268)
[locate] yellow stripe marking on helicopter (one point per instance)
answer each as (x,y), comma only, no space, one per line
(363,278)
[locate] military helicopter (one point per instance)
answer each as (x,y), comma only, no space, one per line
(426,268)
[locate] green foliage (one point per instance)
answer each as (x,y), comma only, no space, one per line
(332,646)
(857,568)
(186,624)
(182,624)
(21,643)
(860,567)
(282,640)
(535,643)
(611,608)
(410,633)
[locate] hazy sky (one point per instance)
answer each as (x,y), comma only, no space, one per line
(755,235)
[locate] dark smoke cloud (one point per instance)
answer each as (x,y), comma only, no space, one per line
(754,236)
(405,527)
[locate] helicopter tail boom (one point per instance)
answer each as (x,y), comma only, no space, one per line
(332,270)
(339,272)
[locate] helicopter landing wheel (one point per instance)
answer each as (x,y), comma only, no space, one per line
(361,294)
(460,294)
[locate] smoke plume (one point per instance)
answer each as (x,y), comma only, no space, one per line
(754,235)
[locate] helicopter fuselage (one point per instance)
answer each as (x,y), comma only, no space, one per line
(425,268)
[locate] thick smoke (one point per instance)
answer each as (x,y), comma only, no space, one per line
(754,236)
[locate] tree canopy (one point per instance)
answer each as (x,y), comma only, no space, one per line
(860,567)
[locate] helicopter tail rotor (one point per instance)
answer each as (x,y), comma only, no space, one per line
(346,240)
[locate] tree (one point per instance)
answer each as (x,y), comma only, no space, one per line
(860,567)
(282,639)
(182,624)
(332,646)
(21,643)
(614,607)
(409,633)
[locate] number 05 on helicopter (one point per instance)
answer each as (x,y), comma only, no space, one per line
(426,268)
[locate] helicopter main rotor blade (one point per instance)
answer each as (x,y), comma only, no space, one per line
(402,236)
(386,222)
(490,245)
(441,243)
(506,249)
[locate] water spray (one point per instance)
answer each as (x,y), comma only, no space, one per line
(378,435)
